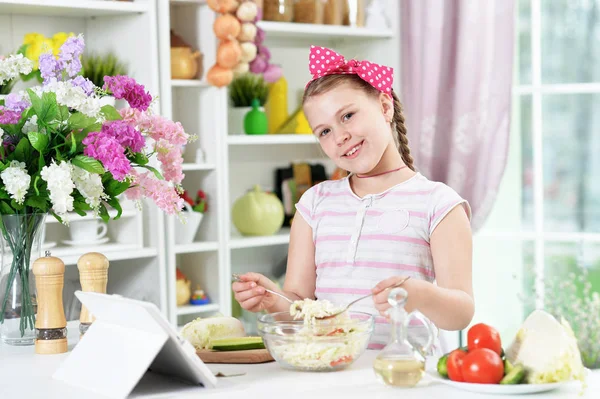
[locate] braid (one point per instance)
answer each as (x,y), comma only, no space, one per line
(402,138)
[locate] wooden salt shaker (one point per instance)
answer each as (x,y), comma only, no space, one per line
(50,323)
(93,276)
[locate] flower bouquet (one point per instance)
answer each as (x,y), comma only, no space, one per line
(63,151)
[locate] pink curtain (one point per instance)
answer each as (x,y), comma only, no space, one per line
(456,66)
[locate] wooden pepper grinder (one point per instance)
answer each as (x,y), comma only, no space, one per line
(93,276)
(50,323)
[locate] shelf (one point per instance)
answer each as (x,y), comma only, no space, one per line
(74,217)
(72,8)
(243,139)
(198,166)
(70,255)
(193,309)
(189,83)
(310,31)
(188,2)
(280,238)
(205,246)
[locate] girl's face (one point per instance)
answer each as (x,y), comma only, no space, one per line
(353,128)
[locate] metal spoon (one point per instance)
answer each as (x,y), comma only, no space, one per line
(331,316)
(236,277)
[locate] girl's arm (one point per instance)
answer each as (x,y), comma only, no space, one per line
(449,305)
(300,278)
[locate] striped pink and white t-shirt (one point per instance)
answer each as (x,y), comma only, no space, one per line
(362,241)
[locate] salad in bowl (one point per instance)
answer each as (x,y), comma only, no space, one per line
(301,340)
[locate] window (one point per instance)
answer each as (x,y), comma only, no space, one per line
(546,221)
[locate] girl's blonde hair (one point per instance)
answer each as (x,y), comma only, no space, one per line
(329,82)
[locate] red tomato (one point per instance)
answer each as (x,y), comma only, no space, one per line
(454,365)
(484,336)
(482,366)
(341,360)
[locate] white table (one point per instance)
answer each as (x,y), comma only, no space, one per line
(23,374)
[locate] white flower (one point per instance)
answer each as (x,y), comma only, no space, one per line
(12,66)
(16,180)
(89,185)
(60,185)
(1,134)
(74,97)
(31,125)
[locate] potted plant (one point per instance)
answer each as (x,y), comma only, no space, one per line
(194,212)
(65,153)
(96,66)
(242,90)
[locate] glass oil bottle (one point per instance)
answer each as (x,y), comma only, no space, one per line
(399,364)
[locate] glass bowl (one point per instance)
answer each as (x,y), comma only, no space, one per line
(327,345)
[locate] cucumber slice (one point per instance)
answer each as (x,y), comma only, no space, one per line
(514,376)
(238,344)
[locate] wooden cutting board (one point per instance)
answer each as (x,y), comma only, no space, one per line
(235,357)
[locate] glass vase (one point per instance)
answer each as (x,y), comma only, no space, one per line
(21,238)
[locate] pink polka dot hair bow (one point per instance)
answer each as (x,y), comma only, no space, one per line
(323,61)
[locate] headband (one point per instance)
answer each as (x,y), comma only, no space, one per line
(323,61)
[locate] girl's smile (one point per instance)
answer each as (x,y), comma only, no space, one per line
(353,151)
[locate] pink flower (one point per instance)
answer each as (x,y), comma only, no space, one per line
(171,160)
(162,128)
(124,87)
(8,117)
(160,191)
(125,134)
(106,149)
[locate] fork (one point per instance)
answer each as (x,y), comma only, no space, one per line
(236,277)
(331,316)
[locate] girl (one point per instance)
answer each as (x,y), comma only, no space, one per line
(384,221)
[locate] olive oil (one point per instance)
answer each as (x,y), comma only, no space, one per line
(399,372)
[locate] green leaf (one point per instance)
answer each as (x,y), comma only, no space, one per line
(104,213)
(114,187)
(153,170)
(37,202)
(35,183)
(5,209)
(23,150)
(15,205)
(56,216)
(80,121)
(49,107)
(140,158)
(90,164)
(4,194)
(39,141)
(63,113)
(114,202)
(96,127)
(111,113)
(36,102)
(73,144)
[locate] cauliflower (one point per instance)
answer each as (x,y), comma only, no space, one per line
(547,350)
(201,332)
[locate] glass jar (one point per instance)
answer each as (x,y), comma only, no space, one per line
(309,11)
(278,10)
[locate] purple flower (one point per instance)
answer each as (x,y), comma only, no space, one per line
(124,87)
(8,117)
(86,84)
(109,152)
(70,52)
(49,67)
(125,134)
(16,102)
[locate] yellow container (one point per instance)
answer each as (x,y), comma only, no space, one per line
(276,106)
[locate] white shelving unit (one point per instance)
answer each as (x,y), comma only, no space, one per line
(241,161)
(136,241)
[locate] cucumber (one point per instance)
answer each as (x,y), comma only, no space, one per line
(238,344)
(514,376)
(442,366)
(507,366)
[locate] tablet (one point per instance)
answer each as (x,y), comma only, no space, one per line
(128,338)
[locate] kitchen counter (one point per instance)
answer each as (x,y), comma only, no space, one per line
(23,374)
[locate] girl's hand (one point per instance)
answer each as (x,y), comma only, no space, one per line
(250,292)
(382,290)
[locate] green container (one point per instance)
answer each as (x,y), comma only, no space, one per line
(255,121)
